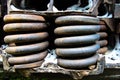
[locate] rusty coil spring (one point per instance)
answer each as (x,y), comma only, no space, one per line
(78,29)
(27,49)
(103,40)
(23,18)
(29,65)
(28,58)
(102,50)
(77,52)
(24,27)
(103,46)
(76,19)
(78,63)
(31,37)
(26,52)
(79,40)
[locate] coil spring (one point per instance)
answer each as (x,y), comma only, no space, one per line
(103,40)
(30,43)
(77,47)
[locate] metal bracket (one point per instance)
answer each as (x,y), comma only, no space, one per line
(114,56)
(6,65)
(75,74)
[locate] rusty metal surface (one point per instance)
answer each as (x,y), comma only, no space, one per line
(28,59)
(22,18)
(110,23)
(49,14)
(29,53)
(27,49)
(28,66)
(77,40)
(73,73)
(91,7)
(77,29)
(31,37)
(77,52)
(102,23)
(53,73)
(103,27)
(103,35)
(26,27)
(76,19)
(78,63)
(59,13)
(102,43)
(102,50)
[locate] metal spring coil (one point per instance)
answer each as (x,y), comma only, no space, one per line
(27,33)
(77,40)
(103,40)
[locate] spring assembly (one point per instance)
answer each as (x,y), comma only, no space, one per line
(78,39)
(103,40)
(28,34)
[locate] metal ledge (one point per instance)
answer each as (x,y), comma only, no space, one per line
(49,13)
(75,74)
(55,69)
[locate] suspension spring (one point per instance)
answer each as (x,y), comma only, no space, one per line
(78,39)
(28,34)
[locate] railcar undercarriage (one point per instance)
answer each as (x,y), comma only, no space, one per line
(75,38)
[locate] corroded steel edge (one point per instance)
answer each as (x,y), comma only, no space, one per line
(76,74)
(45,13)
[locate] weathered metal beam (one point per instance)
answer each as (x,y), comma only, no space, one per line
(110,23)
